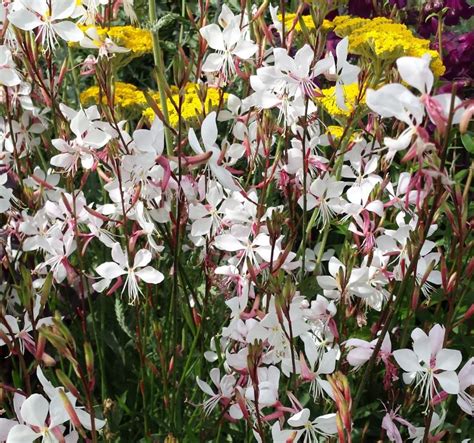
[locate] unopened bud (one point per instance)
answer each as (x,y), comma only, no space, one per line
(65,380)
(40,346)
(89,357)
(71,412)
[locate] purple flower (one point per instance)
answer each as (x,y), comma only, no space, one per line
(458,55)
(361,8)
(457,9)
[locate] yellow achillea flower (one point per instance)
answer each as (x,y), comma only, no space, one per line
(328,100)
(192,105)
(137,40)
(307,20)
(337,132)
(127,97)
(383,39)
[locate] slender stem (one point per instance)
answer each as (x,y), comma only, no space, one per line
(160,70)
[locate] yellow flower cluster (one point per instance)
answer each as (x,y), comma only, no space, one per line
(307,20)
(126,96)
(351,95)
(193,104)
(338,131)
(137,40)
(383,39)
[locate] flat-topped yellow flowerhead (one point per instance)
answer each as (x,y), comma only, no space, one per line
(194,104)
(351,99)
(382,39)
(307,20)
(127,97)
(137,40)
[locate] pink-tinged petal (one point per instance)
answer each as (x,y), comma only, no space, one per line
(48,387)
(194,143)
(85,419)
(375,206)
(228,242)
(150,275)
(24,19)
(416,72)
(224,177)
(436,336)
(110,270)
(393,100)
(326,423)
(57,411)
(34,410)
(64,161)
(9,77)
(205,387)
(213,36)
(101,285)
(231,35)
(328,362)
(342,50)
(235,412)
(407,360)
(326,282)
(209,130)
(444,101)
(449,381)
(423,350)
(393,433)
(119,256)
(96,138)
(201,227)
(300,418)
(63,9)
(357,342)
(22,434)
(448,359)
(5,426)
(466,374)
(68,31)
(359,356)
(245,49)
(466,403)
(18,400)
(213,63)
(142,258)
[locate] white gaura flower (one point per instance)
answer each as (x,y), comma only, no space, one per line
(120,266)
(49,17)
(417,434)
(298,73)
(105,46)
(324,425)
(90,135)
(57,403)
(395,100)
(429,363)
(8,74)
(466,380)
(342,71)
(41,420)
(209,138)
(229,43)
(325,194)
(225,389)
(6,194)
(23,334)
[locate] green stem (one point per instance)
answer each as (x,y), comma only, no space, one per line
(160,69)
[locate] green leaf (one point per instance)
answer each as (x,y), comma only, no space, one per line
(468,142)
(166,20)
(120,315)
